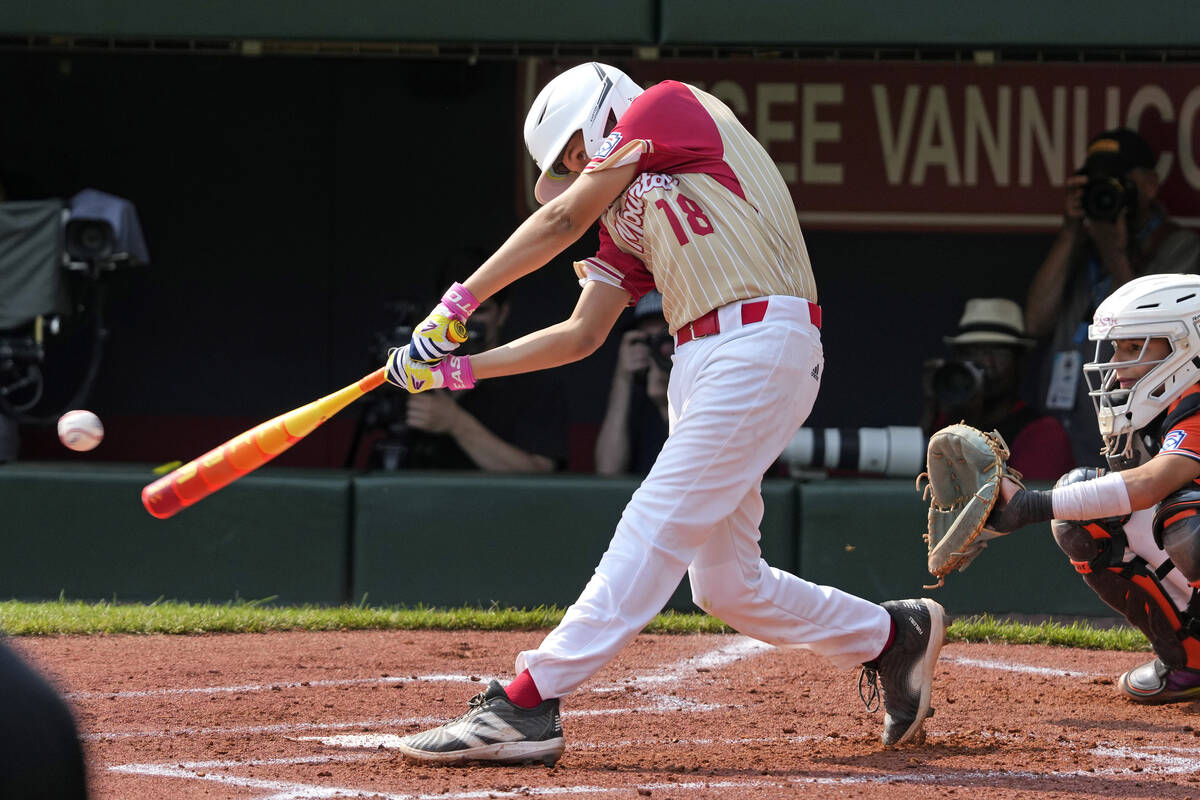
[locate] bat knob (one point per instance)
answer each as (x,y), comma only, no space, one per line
(457,331)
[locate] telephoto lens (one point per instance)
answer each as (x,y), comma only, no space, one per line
(894,451)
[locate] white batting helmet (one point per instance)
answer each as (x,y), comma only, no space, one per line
(581,99)
(1150,307)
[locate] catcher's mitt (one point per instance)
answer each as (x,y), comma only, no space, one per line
(964,469)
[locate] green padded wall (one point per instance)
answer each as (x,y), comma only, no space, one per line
(81,530)
(511,541)
(949,23)
(325,536)
(864,536)
(622,21)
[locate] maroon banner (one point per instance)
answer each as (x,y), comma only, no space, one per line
(950,146)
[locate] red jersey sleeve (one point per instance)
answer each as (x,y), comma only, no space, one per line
(674,134)
(618,267)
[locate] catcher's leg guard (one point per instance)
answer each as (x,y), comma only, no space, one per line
(1098,550)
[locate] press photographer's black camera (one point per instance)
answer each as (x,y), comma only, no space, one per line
(955,387)
(1107,195)
(662,347)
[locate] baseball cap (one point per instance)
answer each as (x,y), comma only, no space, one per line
(1120,150)
(991,320)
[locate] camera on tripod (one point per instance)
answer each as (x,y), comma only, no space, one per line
(53,256)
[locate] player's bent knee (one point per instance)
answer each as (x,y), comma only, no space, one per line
(1176,530)
(1087,541)
(1075,540)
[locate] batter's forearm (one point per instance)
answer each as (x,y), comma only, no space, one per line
(550,347)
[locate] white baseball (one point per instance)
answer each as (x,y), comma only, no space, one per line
(80,430)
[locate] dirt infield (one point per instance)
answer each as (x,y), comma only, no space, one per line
(316,715)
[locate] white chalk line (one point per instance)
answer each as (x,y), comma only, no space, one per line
(740,648)
(720,656)
(1149,762)
(1157,763)
(673,673)
(1013,666)
(386,680)
(254,729)
(666,704)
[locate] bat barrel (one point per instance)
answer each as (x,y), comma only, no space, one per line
(243,454)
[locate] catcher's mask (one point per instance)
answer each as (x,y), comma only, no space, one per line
(1152,307)
(590,98)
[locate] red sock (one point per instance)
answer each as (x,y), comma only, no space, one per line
(891,638)
(523,692)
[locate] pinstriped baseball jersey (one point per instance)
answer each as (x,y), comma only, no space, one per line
(708,220)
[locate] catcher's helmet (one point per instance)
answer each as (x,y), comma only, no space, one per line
(583,98)
(1151,307)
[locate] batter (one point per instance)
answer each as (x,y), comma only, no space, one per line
(691,204)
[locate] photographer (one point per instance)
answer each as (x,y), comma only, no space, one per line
(514,424)
(1113,230)
(635,422)
(980,384)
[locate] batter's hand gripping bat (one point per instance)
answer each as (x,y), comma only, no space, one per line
(248,451)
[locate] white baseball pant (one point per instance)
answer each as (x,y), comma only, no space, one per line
(736,398)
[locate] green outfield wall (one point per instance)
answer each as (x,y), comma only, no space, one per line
(331,536)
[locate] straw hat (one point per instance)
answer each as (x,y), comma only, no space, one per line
(991,320)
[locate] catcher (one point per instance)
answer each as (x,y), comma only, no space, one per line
(1133,532)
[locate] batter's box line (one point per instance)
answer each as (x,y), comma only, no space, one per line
(280,790)
(274,687)
(1014,666)
(286,790)
(668,704)
(713,659)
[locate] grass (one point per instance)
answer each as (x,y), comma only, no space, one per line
(77,617)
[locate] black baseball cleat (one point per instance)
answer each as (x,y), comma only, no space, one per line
(905,669)
(494,730)
(1154,683)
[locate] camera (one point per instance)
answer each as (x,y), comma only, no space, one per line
(661,346)
(894,451)
(53,255)
(954,387)
(1106,195)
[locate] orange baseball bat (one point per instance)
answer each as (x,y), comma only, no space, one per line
(248,451)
